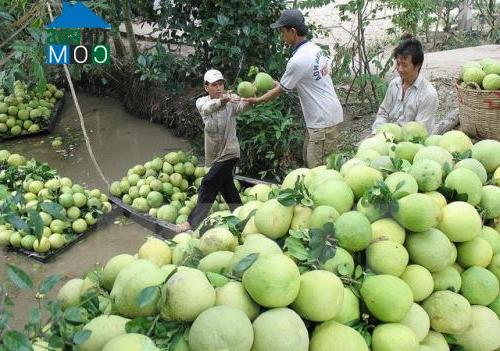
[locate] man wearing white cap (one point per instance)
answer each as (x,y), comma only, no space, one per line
(308,72)
(222,150)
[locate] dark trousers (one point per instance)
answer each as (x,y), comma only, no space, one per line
(218,180)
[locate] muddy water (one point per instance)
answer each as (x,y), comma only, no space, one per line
(119,141)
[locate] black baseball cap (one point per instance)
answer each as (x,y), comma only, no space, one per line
(289,18)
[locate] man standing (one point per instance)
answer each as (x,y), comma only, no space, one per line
(222,149)
(308,72)
(409,97)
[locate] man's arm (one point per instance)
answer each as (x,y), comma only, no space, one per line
(427,109)
(270,95)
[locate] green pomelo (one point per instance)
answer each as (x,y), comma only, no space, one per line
(189,293)
(350,308)
(221,328)
(460,221)
(449,312)
(112,268)
(388,298)
(129,271)
(301,217)
(273,219)
(351,163)
(491,82)
(69,294)
(418,321)
(392,128)
(490,201)
(387,257)
(433,140)
(492,237)
(280,329)
(336,194)
(234,294)
(406,150)
(272,281)
(216,262)
(353,231)
(376,143)
(474,166)
(321,215)
(373,213)
(321,177)
(430,249)
(475,252)
(167,213)
(488,153)
(473,75)
(263,82)
(389,229)
(420,281)
(418,212)
(246,89)
(447,279)
(428,174)
(130,342)
(464,181)
(484,332)
(340,264)
(455,141)
(320,296)
(333,336)
(292,177)
(436,340)
(361,178)
(156,251)
(217,239)
(402,182)
(414,130)
(479,286)
(254,243)
(247,208)
(103,329)
(435,153)
(495,306)
(367,155)
(260,192)
(394,337)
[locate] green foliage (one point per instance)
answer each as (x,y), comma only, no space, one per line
(229,35)
(270,139)
(159,65)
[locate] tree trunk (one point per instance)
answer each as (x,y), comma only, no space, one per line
(130,29)
(115,30)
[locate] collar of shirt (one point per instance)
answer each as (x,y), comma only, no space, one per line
(416,84)
(298,46)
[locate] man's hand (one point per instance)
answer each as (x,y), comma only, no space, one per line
(251,100)
(226,97)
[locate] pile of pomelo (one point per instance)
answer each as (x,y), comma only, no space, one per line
(42,210)
(166,187)
(26,112)
(395,249)
(484,74)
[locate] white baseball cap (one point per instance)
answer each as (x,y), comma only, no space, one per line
(213,76)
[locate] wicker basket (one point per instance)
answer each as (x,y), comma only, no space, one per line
(479,112)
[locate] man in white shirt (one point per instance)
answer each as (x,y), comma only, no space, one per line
(222,149)
(308,72)
(409,97)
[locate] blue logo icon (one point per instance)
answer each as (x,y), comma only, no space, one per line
(64,37)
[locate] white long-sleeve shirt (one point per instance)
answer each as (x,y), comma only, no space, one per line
(221,142)
(420,103)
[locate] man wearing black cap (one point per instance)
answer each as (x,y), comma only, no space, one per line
(308,72)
